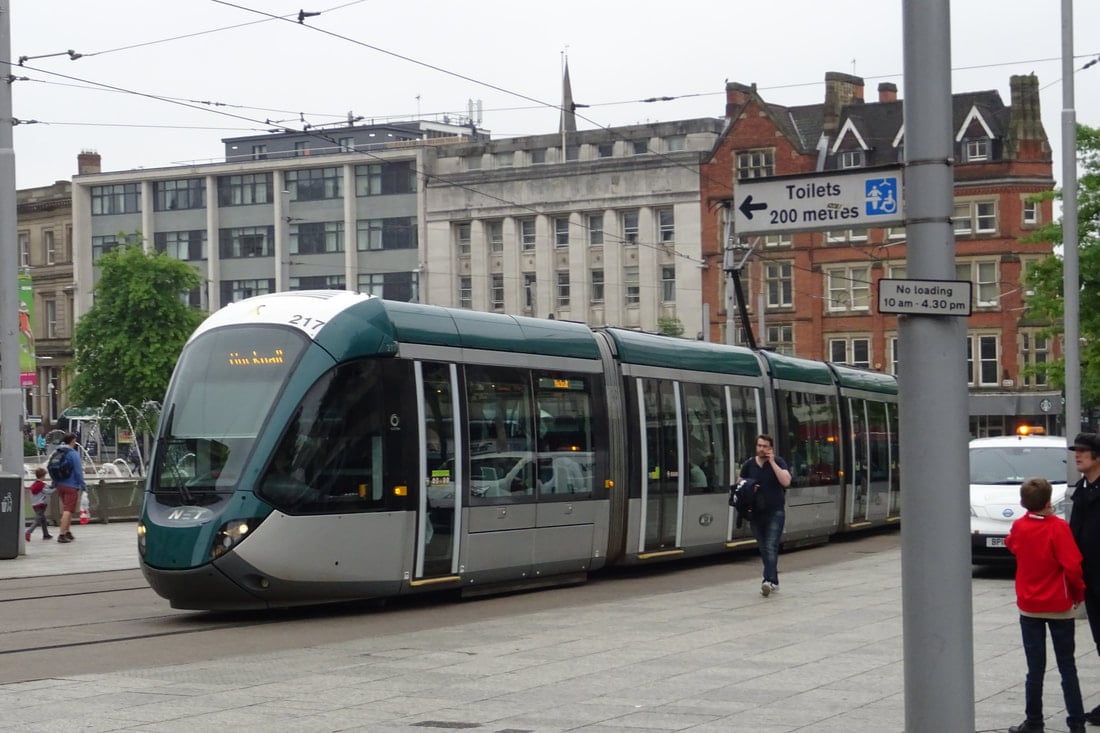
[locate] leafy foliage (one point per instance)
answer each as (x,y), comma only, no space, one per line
(670,326)
(1046,279)
(126,346)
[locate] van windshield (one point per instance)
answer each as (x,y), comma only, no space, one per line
(1012,465)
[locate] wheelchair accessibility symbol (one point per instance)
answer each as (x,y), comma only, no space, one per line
(881,196)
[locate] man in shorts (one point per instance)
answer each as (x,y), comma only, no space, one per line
(69,488)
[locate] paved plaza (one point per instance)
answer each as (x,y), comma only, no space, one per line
(823,654)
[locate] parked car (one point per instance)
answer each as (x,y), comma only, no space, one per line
(997,468)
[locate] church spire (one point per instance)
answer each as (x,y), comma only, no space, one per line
(568,113)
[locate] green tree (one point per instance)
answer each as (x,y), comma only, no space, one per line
(1045,280)
(670,326)
(126,346)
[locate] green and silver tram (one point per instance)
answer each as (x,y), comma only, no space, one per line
(325,445)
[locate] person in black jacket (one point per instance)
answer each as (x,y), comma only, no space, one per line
(1084,520)
(768,517)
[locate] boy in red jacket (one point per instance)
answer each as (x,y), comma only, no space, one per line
(1049,585)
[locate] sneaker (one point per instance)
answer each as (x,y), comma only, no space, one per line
(775,587)
(27,535)
(47,536)
(765,589)
(1027,727)
(62,539)
(1093,716)
(69,536)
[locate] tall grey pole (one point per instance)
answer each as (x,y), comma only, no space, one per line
(11,395)
(935,535)
(1070,264)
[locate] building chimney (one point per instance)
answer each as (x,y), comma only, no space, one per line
(887,92)
(1025,138)
(1024,120)
(737,96)
(841,90)
(87,162)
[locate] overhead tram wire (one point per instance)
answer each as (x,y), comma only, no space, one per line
(209,31)
(424,175)
(495,87)
(335,115)
(299,17)
(457,75)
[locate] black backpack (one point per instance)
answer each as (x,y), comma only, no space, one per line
(59,466)
(743,499)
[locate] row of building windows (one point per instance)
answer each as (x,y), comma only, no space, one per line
(563,229)
(305,238)
(402,286)
(983,355)
(52,251)
(313,184)
(563,288)
(848,288)
(585,151)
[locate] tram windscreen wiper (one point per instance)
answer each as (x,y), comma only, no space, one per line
(163,462)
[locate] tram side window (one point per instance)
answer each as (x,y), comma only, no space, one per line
(707,439)
(567,435)
(879,457)
(348,443)
(439,423)
(809,432)
(501,434)
(743,402)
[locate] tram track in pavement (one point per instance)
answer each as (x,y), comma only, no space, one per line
(112,621)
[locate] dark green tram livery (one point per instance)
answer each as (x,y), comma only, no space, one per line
(325,445)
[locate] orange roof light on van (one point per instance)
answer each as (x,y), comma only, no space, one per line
(1030,430)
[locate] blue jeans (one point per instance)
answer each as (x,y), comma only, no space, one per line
(1034,632)
(767,532)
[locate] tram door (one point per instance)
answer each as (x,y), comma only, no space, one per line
(859,481)
(661,488)
(870,460)
(439,506)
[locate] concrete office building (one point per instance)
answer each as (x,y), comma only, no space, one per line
(330,208)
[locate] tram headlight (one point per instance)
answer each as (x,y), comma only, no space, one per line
(141,538)
(230,533)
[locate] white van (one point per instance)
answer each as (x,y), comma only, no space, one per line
(997,468)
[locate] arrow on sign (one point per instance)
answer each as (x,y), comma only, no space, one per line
(747,207)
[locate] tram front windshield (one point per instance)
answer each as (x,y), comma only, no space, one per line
(222,392)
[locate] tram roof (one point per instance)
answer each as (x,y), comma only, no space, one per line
(461,328)
(636,347)
(798,370)
(862,379)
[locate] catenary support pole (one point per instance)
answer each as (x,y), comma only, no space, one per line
(11,395)
(935,542)
(1071,276)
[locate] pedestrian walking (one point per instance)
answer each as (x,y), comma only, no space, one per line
(772,477)
(1084,520)
(1049,585)
(40,496)
(67,473)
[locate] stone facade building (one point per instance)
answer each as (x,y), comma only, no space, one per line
(45,239)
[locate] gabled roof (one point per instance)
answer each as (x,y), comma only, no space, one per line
(850,129)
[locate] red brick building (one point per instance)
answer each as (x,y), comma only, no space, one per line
(814,294)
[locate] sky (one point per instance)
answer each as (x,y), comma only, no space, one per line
(142,101)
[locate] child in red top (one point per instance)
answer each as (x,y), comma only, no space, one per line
(40,495)
(1049,585)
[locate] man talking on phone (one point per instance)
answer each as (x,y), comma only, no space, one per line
(772,477)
